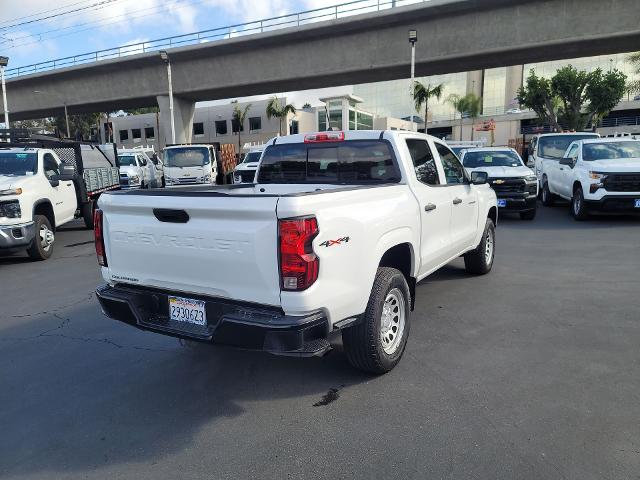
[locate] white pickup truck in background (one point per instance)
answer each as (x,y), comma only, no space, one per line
(596,174)
(515,184)
(331,240)
(137,170)
(245,171)
(39,192)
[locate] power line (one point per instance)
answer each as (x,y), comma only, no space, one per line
(26,22)
(43,12)
(98,23)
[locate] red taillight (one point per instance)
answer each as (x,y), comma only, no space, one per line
(324,137)
(97,231)
(298,264)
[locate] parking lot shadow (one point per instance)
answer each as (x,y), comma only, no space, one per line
(89,392)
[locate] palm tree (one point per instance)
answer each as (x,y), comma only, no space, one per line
(422,94)
(281,112)
(459,105)
(239,116)
(473,106)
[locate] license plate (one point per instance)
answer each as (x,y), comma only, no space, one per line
(502,203)
(187,310)
(637,202)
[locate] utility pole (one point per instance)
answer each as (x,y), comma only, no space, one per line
(4,61)
(413,39)
(165,58)
(66,119)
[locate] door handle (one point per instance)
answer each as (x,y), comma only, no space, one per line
(429,207)
(457,201)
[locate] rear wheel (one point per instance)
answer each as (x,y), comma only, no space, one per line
(377,344)
(548,198)
(480,260)
(87,213)
(42,247)
(578,207)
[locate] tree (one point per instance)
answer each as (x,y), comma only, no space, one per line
(473,106)
(458,104)
(239,116)
(634,86)
(281,112)
(573,98)
(422,94)
(306,106)
(79,125)
(141,111)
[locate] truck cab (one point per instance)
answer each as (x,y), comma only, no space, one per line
(136,170)
(193,164)
(245,171)
(596,174)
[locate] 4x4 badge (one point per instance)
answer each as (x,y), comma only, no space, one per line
(329,243)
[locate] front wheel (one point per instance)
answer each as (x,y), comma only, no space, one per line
(578,207)
(548,198)
(480,260)
(378,342)
(42,247)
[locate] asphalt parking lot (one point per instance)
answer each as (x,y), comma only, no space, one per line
(531,372)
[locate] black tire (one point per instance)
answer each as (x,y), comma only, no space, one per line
(142,185)
(87,213)
(38,249)
(548,198)
(478,261)
(528,215)
(162,182)
(578,207)
(363,343)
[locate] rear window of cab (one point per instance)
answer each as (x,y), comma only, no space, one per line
(352,162)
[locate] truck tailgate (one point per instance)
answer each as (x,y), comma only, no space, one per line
(227,248)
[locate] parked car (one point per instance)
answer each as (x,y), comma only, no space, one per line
(191,164)
(245,172)
(39,192)
(331,240)
(596,174)
(516,185)
(550,147)
(137,170)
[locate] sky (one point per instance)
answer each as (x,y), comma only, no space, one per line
(26,38)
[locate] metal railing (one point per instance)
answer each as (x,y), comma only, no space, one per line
(221,33)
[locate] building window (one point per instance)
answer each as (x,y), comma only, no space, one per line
(352,119)
(295,127)
(198,128)
(221,127)
(149,132)
(322,120)
(136,133)
(124,135)
(255,124)
(364,121)
(235,126)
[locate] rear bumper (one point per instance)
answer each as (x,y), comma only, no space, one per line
(518,202)
(242,325)
(16,236)
(614,203)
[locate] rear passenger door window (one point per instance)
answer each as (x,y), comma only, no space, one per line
(453,170)
(423,161)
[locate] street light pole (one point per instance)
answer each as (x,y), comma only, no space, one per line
(66,119)
(165,58)
(4,61)
(413,39)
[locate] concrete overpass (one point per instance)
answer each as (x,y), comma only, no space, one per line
(454,36)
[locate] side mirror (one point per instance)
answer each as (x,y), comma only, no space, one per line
(567,161)
(531,163)
(67,172)
(479,178)
(54,182)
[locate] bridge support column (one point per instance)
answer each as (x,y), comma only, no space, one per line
(183,111)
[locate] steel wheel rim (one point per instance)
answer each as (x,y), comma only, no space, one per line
(392,321)
(46,238)
(488,247)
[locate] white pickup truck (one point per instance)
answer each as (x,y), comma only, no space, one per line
(190,164)
(596,174)
(332,239)
(39,192)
